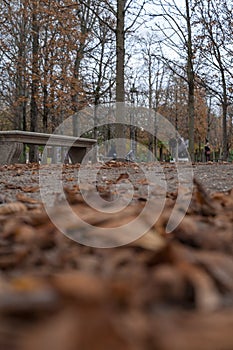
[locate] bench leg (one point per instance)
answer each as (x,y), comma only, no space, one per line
(77,154)
(10,152)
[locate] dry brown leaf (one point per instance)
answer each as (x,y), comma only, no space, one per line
(152,240)
(220,267)
(123,176)
(168,286)
(11,256)
(11,208)
(12,186)
(24,234)
(206,295)
(30,189)
(70,179)
(83,287)
(25,199)
(204,201)
(15,227)
(226,199)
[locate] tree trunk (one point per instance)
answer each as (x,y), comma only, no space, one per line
(190,76)
(224,131)
(152,137)
(120,51)
(75,89)
(21,86)
(120,75)
(33,154)
(224,116)
(45,84)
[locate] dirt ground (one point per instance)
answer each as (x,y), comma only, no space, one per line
(215,177)
(163,291)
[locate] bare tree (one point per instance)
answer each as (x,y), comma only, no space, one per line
(13,60)
(119,10)
(98,66)
(86,13)
(150,78)
(190,78)
(174,31)
(33,154)
(121,30)
(216,53)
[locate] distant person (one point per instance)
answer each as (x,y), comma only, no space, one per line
(207,152)
(112,153)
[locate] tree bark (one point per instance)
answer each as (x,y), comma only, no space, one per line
(190,76)
(120,51)
(33,154)
(224,113)
(120,77)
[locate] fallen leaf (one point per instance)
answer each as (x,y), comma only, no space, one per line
(25,199)
(10,208)
(30,189)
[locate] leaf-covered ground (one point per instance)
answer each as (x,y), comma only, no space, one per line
(163,291)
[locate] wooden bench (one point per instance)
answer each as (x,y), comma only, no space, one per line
(11,144)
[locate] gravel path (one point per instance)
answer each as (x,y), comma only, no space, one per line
(214,177)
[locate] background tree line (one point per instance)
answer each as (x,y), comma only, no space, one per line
(57,57)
